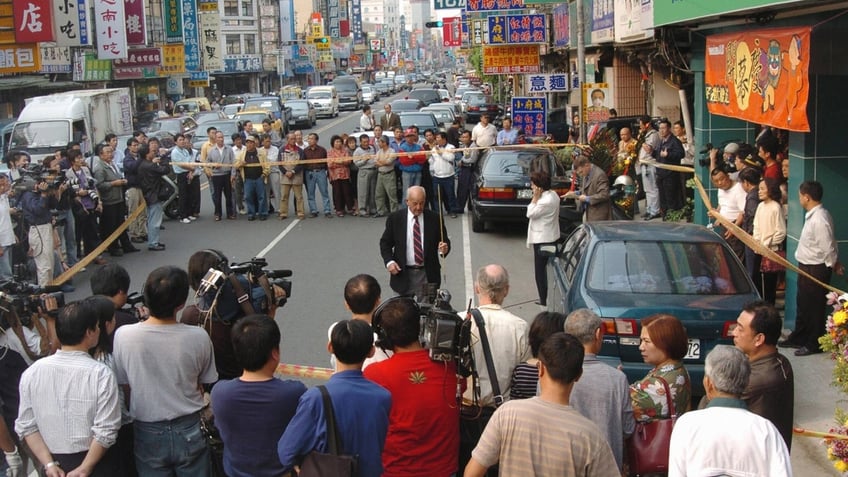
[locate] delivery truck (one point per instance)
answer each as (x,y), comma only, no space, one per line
(48,123)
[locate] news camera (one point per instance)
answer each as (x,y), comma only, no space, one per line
(255,269)
(35,174)
(444,334)
(25,299)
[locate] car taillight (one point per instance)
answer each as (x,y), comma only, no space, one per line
(727,330)
(496,193)
(560,192)
(620,327)
(474,108)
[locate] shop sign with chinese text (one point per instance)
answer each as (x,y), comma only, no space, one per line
(71,24)
(603,21)
(87,67)
(110,29)
(493,5)
(510,59)
(136,28)
(173,60)
(243,63)
(210,41)
(191,41)
(55,59)
(628,22)
(760,76)
(33,22)
(530,115)
(547,83)
(172,18)
(141,57)
(19,59)
(134,72)
(451,32)
(561,25)
(517,29)
(198,79)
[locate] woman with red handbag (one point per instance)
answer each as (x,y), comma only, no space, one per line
(661,396)
(770,230)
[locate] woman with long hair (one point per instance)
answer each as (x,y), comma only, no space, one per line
(543,228)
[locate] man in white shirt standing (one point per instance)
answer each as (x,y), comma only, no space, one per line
(731,205)
(818,256)
(443,173)
(484,133)
(366,121)
(726,438)
(69,409)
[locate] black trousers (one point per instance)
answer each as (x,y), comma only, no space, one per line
(222,184)
(86,228)
(107,467)
(189,198)
(811,306)
(469,434)
(671,195)
(110,219)
(463,187)
(540,264)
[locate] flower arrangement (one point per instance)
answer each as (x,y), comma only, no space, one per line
(835,342)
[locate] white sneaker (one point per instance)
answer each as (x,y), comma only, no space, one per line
(192,218)
(185,221)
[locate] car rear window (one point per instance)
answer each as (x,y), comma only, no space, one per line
(519,163)
(672,268)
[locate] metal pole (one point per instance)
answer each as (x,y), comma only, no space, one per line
(581,67)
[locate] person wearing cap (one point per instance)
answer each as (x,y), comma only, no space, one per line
(731,150)
(252,164)
(411,163)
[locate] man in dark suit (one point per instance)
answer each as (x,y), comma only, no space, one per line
(390,120)
(414,270)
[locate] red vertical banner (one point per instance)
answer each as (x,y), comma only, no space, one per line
(136,27)
(761,76)
(33,21)
(452,31)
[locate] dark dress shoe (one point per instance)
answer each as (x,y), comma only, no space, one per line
(130,249)
(156,248)
(788,344)
(138,240)
(804,351)
(116,253)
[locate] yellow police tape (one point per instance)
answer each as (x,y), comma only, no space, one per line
(302,371)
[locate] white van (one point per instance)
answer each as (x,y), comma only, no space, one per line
(325,99)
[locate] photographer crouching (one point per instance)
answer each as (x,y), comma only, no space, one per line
(224,294)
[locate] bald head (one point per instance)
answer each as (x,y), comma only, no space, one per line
(492,284)
(416,199)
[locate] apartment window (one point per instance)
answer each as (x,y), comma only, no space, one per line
(233,44)
(249,44)
(247,8)
(238,8)
(231,8)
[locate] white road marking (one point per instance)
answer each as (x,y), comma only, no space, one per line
(466,260)
(277,239)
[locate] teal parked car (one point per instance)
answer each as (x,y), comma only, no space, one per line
(625,271)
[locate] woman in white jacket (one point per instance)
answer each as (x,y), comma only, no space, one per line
(543,229)
(770,230)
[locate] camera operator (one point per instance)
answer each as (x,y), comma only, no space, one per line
(16,161)
(86,205)
(7,232)
(37,202)
(150,172)
(217,315)
(32,337)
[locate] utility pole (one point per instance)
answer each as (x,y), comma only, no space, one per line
(581,68)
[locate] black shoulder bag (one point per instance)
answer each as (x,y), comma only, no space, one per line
(332,463)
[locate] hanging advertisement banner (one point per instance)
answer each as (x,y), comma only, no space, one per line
(210,39)
(287,20)
(511,59)
(173,60)
(761,76)
(560,25)
(172,18)
(596,102)
(517,29)
(628,22)
(451,32)
(71,25)
(198,79)
(547,83)
(136,27)
(356,19)
(33,22)
(491,5)
(530,115)
(190,35)
(141,57)
(55,59)
(110,29)
(333,18)
(19,59)
(603,21)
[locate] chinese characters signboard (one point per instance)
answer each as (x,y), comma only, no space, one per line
(55,59)
(510,59)
(356,18)
(136,28)
(448,4)
(33,22)
(191,41)
(547,83)
(110,29)
(628,22)
(71,25)
(172,17)
(88,68)
(173,60)
(141,57)
(198,79)
(529,114)
(603,22)
(242,64)
(517,29)
(596,101)
(19,59)
(210,41)
(333,18)
(451,32)
(761,76)
(492,5)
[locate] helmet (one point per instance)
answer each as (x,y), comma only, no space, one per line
(623,181)
(731,148)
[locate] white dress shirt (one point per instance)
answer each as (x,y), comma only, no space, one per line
(817,243)
(484,136)
(70,399)
(726,441)
(543,226)
(7,232)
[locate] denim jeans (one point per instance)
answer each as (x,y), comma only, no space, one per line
(254,194)
(448,197)
(69,234)
(171,448)
(154,221)
(317,178)
(6,263)
(409,179)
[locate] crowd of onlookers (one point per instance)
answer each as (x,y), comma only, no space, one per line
(131,395)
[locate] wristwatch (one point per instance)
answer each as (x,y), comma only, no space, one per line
(48,465)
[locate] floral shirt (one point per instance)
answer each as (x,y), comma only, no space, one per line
(648,395)
(338,170)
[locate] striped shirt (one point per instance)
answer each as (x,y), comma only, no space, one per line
(534,437)
(70,398)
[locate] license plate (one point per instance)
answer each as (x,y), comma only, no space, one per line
(693,351)
(525,193)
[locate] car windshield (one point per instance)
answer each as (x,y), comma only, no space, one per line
(423,121)
(167,126)
(40,134)
(442,115)
(670,268)
(299,106)
(319,95)
(265,104)
(228,128)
